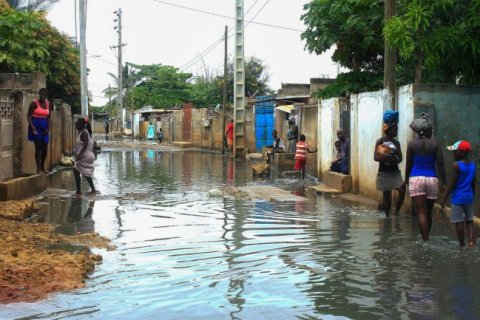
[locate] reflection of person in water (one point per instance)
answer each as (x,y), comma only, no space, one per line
(86,224)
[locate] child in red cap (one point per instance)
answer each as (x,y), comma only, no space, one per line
(462,188)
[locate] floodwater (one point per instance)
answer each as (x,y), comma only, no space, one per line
(184,255)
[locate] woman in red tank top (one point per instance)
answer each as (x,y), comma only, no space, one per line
(38,132)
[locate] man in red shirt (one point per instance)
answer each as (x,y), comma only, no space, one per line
(229,134)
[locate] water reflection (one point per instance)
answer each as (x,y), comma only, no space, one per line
(71,215)
(184,255)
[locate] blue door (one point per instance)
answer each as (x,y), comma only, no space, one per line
(264,123)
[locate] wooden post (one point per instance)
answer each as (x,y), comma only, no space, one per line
(390,59)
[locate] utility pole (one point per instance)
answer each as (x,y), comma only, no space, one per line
(225,89)
(120,111)
(390,59)
(239,82)
(83,57)
(76,28)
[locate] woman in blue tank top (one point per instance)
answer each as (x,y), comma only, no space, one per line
(424,159)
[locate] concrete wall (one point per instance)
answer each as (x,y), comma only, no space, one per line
(328,123)
(309,116)
(250,140)
(31,82)
(366,127)
(176,124)
(454,111)
(456,117)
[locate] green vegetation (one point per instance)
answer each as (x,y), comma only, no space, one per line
(29,43)
(431,35)
(162,86)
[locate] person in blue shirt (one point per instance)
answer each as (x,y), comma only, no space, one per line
(462,188)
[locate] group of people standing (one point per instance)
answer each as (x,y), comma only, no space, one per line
(425,176)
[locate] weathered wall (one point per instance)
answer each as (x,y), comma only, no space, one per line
(367,109)
(250,140)
(309,116)
(176,126)
(6,137)
(31,82)
(328,123)
(55,147)
(197,128)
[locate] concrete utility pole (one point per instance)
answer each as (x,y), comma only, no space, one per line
(239,82)
(76,28)
(120,110)
(225,88)
(83,57)
(390,59)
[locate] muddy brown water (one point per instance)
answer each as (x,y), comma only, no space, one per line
(184,255)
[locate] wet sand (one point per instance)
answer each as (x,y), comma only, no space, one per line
(35,261)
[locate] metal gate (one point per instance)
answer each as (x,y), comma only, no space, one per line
(187,122)
(6,138)
(264,121)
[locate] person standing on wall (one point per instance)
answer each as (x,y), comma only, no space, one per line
(389,155)
(423,154)
(38,116)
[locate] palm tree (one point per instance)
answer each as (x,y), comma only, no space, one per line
(31,5)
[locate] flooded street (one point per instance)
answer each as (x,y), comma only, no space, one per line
(182,254)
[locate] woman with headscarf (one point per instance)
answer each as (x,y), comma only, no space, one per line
(389,155)
(424,160)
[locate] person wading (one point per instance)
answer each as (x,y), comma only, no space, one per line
(423,153)
(84,156)
(389,155)
(38,115)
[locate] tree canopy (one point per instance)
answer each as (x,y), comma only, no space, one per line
(159,86)
(28,43)
(431,35)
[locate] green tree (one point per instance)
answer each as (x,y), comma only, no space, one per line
(159,86)
(354,29)
(441,36)
(29,43)
(207,90)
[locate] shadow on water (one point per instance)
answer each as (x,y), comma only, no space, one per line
(184,255)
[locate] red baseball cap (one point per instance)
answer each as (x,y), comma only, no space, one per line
(463,145)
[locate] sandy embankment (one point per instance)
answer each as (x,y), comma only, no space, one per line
(33,259)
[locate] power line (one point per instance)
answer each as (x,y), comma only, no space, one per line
(227,17)
(200,56)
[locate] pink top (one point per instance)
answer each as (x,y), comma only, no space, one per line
(40,112)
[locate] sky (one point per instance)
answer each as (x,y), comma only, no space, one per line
(155,32)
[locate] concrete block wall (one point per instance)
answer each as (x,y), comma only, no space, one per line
(250,140)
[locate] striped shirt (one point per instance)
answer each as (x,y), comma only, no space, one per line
(301,150)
